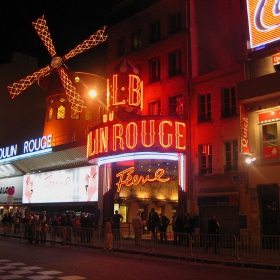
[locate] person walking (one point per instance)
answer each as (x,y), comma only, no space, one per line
(137,224)
(163,224)
(117,219)
(153,222)
(213,230)
(108,242)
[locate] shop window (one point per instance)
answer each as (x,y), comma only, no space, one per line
(270,143)
(231,155)
(228,102)
(121,47)
(50,114)
(204,107)
(205,159)
(174,23)
(154,108)
(175,63)
(60,113)
(123,212)
(87,114)
(154,30)
(136,40)
(176,106)
(154,70)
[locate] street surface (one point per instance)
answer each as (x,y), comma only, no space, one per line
(21,260)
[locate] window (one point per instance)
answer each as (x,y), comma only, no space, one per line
(50,114)
(87,114)
(154,70)
(175,63)
(174,23)
(154,108)
(205,159)
(136,40)
(154,32)
(60,113)
(176,106)
(121,47)
(228,102)
(270,143)
(231,155)
(204,107)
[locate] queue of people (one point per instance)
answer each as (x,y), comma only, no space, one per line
(66,226)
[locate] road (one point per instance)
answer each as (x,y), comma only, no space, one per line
(21,260)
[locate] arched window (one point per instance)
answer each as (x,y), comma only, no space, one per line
(60,113)
(50,114)
(87,114)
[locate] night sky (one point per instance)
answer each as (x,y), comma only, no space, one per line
(70,22)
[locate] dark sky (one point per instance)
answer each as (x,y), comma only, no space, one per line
(70,22)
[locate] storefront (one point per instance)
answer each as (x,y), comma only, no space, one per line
(141,157)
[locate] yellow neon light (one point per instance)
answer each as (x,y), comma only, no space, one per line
(131,137)
(103,147)
(127,179)
(178,135)
(151,134)
(134,90)
(161,134)
(115,92)
(117,134)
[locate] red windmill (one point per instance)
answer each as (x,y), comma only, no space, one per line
(57,64)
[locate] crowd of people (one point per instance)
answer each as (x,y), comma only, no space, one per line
(67,226)
(35,226)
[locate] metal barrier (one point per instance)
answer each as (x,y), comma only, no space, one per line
(243,249)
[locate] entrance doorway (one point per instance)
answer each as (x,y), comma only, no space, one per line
(269,209)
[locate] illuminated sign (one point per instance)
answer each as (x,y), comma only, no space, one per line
(11,186)
(142,134)
(29,147)
(127,178)
(269,116)
(276,59)
(244,127)
(264,21)
(69,185)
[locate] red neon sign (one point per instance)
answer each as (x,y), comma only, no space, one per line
(142,134)
(244,127)
(127,179)
(264,21)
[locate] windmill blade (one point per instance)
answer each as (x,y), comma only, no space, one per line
(41,27)
(73,97)
(18,87)
(95,39)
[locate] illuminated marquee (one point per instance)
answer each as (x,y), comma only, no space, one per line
(142,134)
(264,21)
(126,178)
(31,146)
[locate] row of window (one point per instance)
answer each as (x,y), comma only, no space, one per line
(61,111)
(228,102)
(230,157)
(174,25)
(175,106)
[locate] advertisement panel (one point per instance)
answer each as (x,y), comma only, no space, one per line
(11,187)
(68,185)
(264,21)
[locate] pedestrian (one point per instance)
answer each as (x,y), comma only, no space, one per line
(54,229)
(108,242)
(163,224)
(117,219)
(137,224)
(5,223)
(153,222)
(213,231)
(188,227)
